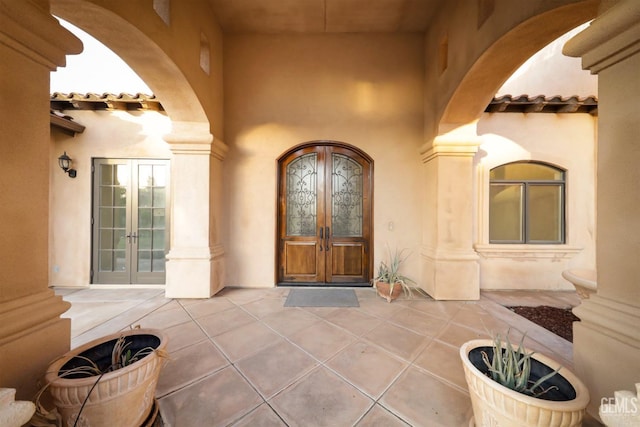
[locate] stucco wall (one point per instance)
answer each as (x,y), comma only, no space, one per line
(280,91)
(108,134)
(564,140)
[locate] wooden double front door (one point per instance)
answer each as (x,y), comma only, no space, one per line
(324,220)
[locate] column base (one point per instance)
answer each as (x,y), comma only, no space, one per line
(606,348)
(31,336)
(451,275)
(194,272)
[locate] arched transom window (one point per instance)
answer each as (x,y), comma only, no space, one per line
(527,204)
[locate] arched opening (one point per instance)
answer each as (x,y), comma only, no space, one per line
(185,140)
(144,56)
(504,56)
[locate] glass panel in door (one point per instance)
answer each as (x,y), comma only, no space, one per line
(150,221)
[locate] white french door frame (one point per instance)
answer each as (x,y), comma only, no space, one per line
(130,221)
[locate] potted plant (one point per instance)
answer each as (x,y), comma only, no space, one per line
(389,282)
(110,381)
(520,388)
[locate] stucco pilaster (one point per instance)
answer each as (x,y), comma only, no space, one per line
(450,267)
(195,262)
(32,43)
(607,340)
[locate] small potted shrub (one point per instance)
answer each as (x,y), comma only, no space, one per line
(520,388)
(389,283)
(110,381)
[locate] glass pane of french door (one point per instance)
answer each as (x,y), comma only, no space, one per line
(346,196)
(130,221)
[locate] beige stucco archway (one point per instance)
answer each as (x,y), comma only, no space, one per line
(450,264)
(492,68)
(195,247)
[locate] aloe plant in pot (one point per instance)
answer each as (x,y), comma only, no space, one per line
(515,387)
(389,283)
(110,381)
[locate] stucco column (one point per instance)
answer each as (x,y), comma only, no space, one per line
(32,44)
(606,342)
(195,262)
(450,266)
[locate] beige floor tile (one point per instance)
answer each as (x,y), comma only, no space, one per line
(443,310)
(422,400)
(275,367)
(103,295)
(209,306)
(290,320)
(216,400)
(219,323)
(87,315)
(261,417)
(375,307)
(380,417)
(321,311)
(365,293)
(456,335)
(476,318)
(354,321)
(321,399)
(399,341)
(418,321)
(263,307)
(322,340)
(165,318)
(246,340)
(367,367)
(242,296)
(443,361)
(188,365)
(184,335)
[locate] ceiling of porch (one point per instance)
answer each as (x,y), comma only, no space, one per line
(324,16)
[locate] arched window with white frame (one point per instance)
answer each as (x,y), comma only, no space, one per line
(527,203)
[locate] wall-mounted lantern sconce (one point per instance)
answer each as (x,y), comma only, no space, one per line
(64,162)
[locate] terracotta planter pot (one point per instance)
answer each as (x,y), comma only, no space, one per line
(123,397)
(384,290)
(496,405)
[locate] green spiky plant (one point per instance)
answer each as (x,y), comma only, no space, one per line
(513,368)
(389,272)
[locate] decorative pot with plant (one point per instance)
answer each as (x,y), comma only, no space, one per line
(110,381)
(389,283)
(520,388)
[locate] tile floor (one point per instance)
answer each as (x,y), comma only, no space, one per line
(242,359)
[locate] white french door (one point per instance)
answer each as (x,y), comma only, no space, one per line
(130,221)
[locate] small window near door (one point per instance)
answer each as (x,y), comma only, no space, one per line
(527,204)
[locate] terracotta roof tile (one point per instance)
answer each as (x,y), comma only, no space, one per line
(542,104)
(105,101)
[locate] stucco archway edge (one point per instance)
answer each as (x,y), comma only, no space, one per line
(503,57)
(158,70)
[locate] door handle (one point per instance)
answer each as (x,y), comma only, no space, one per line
(130,236)
(321,238)
(327,239)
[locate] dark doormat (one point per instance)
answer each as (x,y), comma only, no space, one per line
(321,298)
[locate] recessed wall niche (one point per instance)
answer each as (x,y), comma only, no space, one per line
(485,10)
(205,54)
(443,54)
(163,9)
